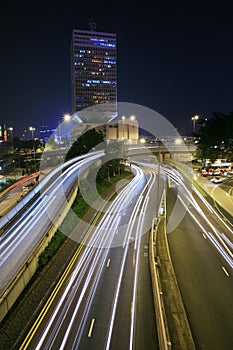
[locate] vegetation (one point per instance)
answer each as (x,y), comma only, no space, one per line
(27,145)
(79,207)
(5,184)
(54,244)
(215,138)
(85,143)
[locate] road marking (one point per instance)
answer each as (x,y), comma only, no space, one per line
(108,263)
(58,286)
(225,271)
(204,235)
(91,328)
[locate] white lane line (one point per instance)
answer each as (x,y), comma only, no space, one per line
(91,328)
(225,271)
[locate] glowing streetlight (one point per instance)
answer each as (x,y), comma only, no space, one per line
(194,119)
(65,118)
(32,129)
(142,140)
(123,134)
(178,141)
(123,127)
(11,132)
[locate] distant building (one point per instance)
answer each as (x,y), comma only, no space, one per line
(4,133)
(93,70)
(46,132)
(94,86)
(126,129)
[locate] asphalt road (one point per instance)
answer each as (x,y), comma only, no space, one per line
(20,239)
(206,290)
(106,301)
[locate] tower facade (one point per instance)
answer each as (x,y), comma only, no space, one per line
(93,70)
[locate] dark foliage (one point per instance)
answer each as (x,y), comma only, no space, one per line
(85,143)
(215,138)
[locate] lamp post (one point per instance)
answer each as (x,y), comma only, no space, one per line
(11,132)
(32,129)
(194,119)
(65,118)
(123,134)
(158,180)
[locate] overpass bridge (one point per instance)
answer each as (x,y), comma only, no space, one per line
(183,152)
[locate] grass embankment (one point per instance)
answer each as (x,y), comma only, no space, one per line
(79,207)
(6,184)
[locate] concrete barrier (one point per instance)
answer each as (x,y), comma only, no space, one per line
(162,330)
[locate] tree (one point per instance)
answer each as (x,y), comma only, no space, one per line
(51,145)
(85,143)
(215,138)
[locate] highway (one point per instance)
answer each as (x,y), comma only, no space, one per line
(22,236)
(201,247)
(106,300)
(205,281)
(202,254)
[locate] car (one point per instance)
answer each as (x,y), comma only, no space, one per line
(216,180)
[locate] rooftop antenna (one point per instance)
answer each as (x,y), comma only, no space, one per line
(92,25)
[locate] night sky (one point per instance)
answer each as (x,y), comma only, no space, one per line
(176,58)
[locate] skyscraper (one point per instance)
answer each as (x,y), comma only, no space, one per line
(93,70)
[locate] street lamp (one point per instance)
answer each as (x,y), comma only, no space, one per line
(32,131)
(123,134)
(11,132)
(123,127)
(158,180)
(194,119)
(65,118)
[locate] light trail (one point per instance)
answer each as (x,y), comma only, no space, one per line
(222,248)
(121,273)
(9,242)
(137,245)
(219,242)
(97,260)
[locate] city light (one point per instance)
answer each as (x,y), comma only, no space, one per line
(194,119)
(32,129)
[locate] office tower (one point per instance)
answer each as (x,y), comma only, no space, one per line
(94,70)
